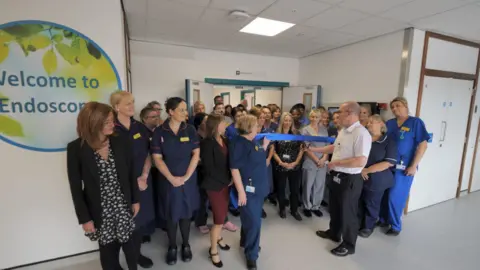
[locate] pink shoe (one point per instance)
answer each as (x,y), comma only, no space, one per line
(204,229)
(229,226)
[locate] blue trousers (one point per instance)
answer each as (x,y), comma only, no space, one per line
(396,200)
(251,218)
(370,203)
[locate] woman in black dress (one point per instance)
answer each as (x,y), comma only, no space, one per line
(104,188)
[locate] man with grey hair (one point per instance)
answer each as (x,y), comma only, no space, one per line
(350,155)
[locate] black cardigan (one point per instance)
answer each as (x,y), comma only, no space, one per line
(85,180)
(215,168)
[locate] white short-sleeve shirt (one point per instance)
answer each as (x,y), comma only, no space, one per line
(354,141)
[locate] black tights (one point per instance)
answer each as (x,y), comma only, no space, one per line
(172,232)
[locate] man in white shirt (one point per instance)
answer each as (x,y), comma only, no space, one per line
(350,154)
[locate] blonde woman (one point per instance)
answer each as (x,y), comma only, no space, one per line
(288,156)
(411,136)
(249,171)
(314,169)
(139,136)
(377,174)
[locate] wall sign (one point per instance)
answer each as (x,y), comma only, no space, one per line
(47,73)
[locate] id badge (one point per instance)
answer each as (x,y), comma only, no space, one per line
(286,156)
(401,167)
(250,189)
(336,179)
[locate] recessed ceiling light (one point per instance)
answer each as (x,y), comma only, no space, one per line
(266,27)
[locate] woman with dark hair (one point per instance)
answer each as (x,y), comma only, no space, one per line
(296,117)
(175,150)
(217,178)
(231,130)
(199,123)
(228,112)
(139,135)
(103,184)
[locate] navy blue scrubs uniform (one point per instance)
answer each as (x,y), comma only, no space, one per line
(176,149)
(383,150)
(140,137)
(231,131)
(249,158)
(408,137)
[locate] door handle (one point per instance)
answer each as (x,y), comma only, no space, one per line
(443,131)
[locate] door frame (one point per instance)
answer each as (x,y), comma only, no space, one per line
(242,96)
(454,75)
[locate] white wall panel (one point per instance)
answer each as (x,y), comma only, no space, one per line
(449,56)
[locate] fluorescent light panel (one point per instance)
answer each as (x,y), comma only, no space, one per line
(266,27)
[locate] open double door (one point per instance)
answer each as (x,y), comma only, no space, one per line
(201,91)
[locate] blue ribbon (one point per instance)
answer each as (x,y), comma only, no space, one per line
(281,137)
(291,137)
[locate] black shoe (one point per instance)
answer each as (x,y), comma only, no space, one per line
(224,247)
(365,233)
(144,262)
(324,204)
(186,253)
(272,201)
(172,256)
(264,214)
(307,213)
(381,224)
(342,251)
(326,235)
(235,212)
(392,232)
(287,202)
(317,213)
(146,239)
(251,265)
(297,216)
(283,214)
(218,264)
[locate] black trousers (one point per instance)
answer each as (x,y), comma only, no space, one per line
(110,253)
(294,178)
(184,225)
(344,197)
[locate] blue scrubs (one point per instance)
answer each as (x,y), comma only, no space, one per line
(383,150)
(271,129)
(249,158)
(231,131)
(176,149)
(140,138)
(408,137)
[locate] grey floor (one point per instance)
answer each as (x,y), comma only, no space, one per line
(445,236)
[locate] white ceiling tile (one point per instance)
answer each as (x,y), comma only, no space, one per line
(373,26)
(137,7)
(137,26)
(334,37)
(173,11)
(335,17)
(293,11)
(420,9)
(253,7)
(300,32)
(462,22)
(201,3)
(219,18)
(372,6)
(166,28)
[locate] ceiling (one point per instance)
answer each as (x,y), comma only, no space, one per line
(320,24)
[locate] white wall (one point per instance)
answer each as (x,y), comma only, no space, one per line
(159,71)
(235,93)
(366,71)
(38,221)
